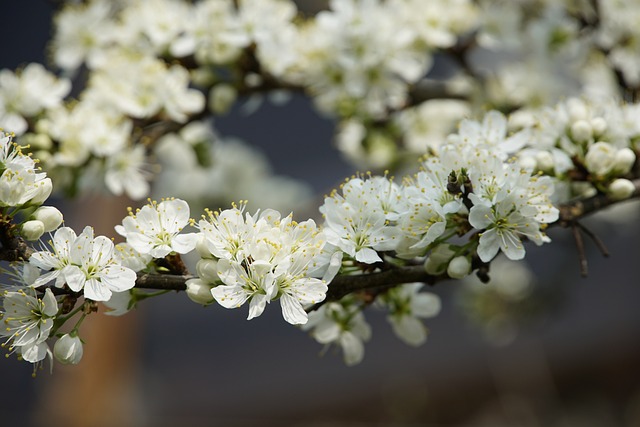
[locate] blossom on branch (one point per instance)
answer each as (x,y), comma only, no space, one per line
(261,258)
(84,263)
(27,321)
(155,228)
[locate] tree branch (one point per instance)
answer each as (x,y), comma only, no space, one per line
(15,249)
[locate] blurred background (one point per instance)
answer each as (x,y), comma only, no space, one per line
(568,356)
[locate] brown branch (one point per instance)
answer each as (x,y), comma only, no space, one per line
(165,282)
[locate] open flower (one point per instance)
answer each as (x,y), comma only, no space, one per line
(83,263)
(407,305)
(341,323)
(27,321)
(155,229)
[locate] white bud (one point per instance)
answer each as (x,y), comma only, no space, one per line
(221,98)
(577,109)
(527,162)
(621,189)
(202,248)
(44,191)
(253,80)
(32,230)
(207,269)
(51,217)
(68,349)
(544,161)
(625,158)
(459,267)
(199,292)
(599,125)
(438,259)
(600,158)
(581,131)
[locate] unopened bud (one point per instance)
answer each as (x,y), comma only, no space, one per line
(459,267)
(581,131)
(32,230)
(621,189)
(599,125)
(544,161)
(600,158)
(199,292)
(51,217)
(203,248)
(527,162)
(68,349)
(221,98)
(438,259)
(207,269)
(625,158)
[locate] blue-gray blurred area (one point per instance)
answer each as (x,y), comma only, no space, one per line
(180,364)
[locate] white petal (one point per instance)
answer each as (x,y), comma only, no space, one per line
(409,329)
(118,278)
(34,353)
(425,304)
(257,305)
(184,243)
(232,296)
(97,291)
(327,331)
(367,256)
(488,247)
(50,303)
(74,277)
(174,215)
(352,347)
(292,310)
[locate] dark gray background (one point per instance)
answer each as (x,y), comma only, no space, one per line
(199,367)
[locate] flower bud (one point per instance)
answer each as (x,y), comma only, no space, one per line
(51,217)
(438,259)
(459,267)
(527,162)
(68,349)
(621,189)
(199,292)
(32,230)
(577,109)
(581,131)
(599,125)
(600,158)
(544,161)
(625,158)
(202,248)
(221,98)
(207,269)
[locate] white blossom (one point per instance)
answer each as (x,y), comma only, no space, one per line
(27,321)
(83,263)
(407,305)
(155,228)
(343,325)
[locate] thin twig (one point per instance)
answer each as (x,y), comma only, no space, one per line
(582,257)
(597,240)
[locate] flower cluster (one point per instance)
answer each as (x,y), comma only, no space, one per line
(20,181)
(260,258)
